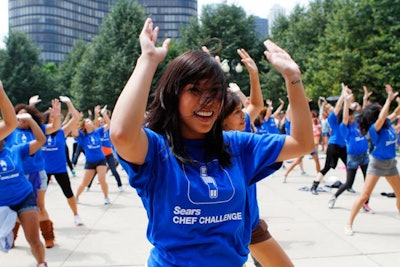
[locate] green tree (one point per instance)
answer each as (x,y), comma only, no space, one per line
(223,29)
(300,34)
(108,60)
(22,72)
(360,47)
(68,68)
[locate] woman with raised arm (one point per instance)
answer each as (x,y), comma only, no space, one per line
(192,176)
(89,138)
(34,166)
(16,192)
(55,156)
(376,120)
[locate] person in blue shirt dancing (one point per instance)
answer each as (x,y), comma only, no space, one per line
(375,120)
(16,192)
(55,157)
(357,150)
(89,138)
(192,176)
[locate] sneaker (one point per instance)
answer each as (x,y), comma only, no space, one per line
(44,264)
(73,173)
(314,191)
(331,202)
(351,190)
(366,208)
(87,189)
(348,230)
(78,220)
(107,201)
(303,173)
(284,179)
(120,189)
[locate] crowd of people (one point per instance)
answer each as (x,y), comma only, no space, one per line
(199,149)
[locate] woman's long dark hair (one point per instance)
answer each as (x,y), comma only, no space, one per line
(191,67)
(368,116)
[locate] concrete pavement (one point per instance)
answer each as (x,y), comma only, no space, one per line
(311,234)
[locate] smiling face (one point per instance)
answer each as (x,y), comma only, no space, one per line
(199,107)
(235,121)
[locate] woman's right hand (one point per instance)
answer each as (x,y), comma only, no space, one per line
(148,40)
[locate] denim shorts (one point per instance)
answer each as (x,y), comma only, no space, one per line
(353,161)
(29,203)
(42,178)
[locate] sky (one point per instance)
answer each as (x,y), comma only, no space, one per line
(252,7)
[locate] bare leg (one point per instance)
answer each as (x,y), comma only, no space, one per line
(369,185)
(87,177)
(394,182)
(101,175)
(30,223)
(270,253)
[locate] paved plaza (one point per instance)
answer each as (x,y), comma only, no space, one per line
(311,234)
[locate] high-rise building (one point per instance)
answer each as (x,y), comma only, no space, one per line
(56,25)
(261,27)
(170,15)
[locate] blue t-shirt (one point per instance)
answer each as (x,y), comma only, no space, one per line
(384,142)
(270,126)
(105,139)
(336,137)
(35,162)
(54,153)
(14,187)
(356,143)
(91,144)
(287,126)
(197,213)
(248,122)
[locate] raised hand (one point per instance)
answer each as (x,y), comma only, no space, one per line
(34,100)
(55,107)
(148,39)
(281,60)
(247,61)
(389,91)
(65,99)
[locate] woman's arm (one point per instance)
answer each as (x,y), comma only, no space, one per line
(104,114)
(56,114)
(126,131)
(300,141)
(40,138)
(346,106)
(278,110)
(9,122)
(72,123)
(383,115)
(256,102)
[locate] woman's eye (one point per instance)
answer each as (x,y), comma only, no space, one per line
(194,90)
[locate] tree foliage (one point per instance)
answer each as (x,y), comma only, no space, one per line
(23,74)
(223,29)
(351,41)
(333,41)
(108,60)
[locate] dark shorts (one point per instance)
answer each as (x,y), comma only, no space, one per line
(29,203)
(260,233)
(93,165)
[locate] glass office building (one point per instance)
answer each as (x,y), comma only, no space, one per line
(56,25)
(170,15)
